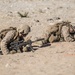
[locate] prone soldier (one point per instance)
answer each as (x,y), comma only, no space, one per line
(62,31)
(12,34)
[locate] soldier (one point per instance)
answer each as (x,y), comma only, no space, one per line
(12,34)
(62,31)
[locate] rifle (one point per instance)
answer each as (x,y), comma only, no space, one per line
(16,45)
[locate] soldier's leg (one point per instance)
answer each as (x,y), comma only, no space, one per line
(65,33)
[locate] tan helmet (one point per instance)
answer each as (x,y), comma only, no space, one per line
(25,29)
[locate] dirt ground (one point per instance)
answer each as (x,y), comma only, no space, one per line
(57,59)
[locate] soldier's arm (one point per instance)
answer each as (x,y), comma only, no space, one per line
(9,36)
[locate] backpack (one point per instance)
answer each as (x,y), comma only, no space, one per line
(4,32)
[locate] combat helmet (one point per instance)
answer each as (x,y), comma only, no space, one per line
(24,29)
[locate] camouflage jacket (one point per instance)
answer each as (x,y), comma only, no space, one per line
(7,36)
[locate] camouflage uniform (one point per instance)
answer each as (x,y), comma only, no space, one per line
(5,36)
(66,34)
(11,34)
(61,32)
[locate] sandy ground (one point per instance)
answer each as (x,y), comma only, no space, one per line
(57,59)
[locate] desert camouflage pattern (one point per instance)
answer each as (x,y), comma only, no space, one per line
(11,34)
(5,31)
(66,35)
(61,32)
(8,37)
(24,29)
